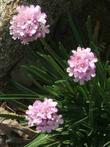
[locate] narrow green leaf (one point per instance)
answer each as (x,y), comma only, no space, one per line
(91,117)
(84,92)
(13,116)
(74,30)
(42,139)
(43,73)
(80,121)
(17,103)
(51,91)
(17,96)
(38,73)
(22,88)
(63,51)
(107,144)
(95,49)
(55,67)
(51,52)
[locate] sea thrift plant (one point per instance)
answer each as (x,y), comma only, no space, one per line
(44,115)
(82,65)
(28,24)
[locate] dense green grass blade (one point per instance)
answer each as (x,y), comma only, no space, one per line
(40,140)
(23,89)
(53,54)
(57,70)
(18,96)
(13,116)
(63,51)
(17,104)
(38,73)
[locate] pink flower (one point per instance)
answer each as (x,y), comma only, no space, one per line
(82,65)
(28,24)
(44,115)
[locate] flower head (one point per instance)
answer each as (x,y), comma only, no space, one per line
(28,24)
(44,115)
(82,65)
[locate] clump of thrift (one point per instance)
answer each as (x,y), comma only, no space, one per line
(28,24)
(44,115)
(82,65)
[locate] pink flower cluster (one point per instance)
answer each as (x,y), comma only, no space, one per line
(44,115)
(28,24)
(82,65)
